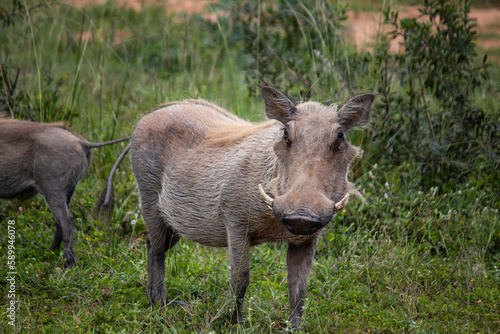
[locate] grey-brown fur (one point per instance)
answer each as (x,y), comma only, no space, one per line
(198,168)
(47,159)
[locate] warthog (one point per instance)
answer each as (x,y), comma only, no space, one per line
(47,159)
(208,176)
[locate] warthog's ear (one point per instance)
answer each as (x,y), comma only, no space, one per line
(278,106)
(356,111)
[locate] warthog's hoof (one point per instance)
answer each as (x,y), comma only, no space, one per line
(70,258)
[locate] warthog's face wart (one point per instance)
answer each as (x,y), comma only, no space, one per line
(313,159)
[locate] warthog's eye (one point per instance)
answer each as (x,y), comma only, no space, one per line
(286,138)
(340,135)
(338,144)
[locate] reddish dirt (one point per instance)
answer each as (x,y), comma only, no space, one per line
(362,26)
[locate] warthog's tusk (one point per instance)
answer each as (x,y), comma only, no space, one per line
(266,198)
(340,205)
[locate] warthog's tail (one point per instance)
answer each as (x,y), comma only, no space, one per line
(95,145)
(105,204)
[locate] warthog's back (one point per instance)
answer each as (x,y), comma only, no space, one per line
(197,159)
(172,129)
(37,150)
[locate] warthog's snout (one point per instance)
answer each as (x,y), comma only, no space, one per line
(303,222)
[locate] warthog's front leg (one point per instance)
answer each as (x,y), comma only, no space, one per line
(239,260)
(299,260)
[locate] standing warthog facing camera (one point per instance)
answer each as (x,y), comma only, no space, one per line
(208,176)
(48,159)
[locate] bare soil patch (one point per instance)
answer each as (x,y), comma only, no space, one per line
(364,26)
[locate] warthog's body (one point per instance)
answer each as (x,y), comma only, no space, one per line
(47,159)
(199,167)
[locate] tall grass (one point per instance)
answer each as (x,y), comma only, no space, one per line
(416,258)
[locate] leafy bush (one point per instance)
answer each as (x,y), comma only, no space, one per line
(432,119)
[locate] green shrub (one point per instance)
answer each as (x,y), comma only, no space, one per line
(433,119)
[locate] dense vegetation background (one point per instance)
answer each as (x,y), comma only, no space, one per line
(423,253)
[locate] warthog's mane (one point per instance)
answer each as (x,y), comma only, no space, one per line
(30,126)
(200,102)
(6,119)
(228,133)
(225,128)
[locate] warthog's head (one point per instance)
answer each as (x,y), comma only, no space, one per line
(313,159)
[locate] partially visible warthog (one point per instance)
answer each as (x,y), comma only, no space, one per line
(203,175)
(47,159)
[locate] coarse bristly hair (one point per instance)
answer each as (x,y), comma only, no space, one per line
(351,187)
(227,133)
(236,129)
(5,118)
(223,133)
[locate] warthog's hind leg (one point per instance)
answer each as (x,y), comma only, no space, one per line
(58,235)
(161,238)
(58,204)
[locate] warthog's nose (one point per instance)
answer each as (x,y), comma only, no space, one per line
(302,224)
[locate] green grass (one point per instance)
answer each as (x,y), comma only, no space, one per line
(412,260)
